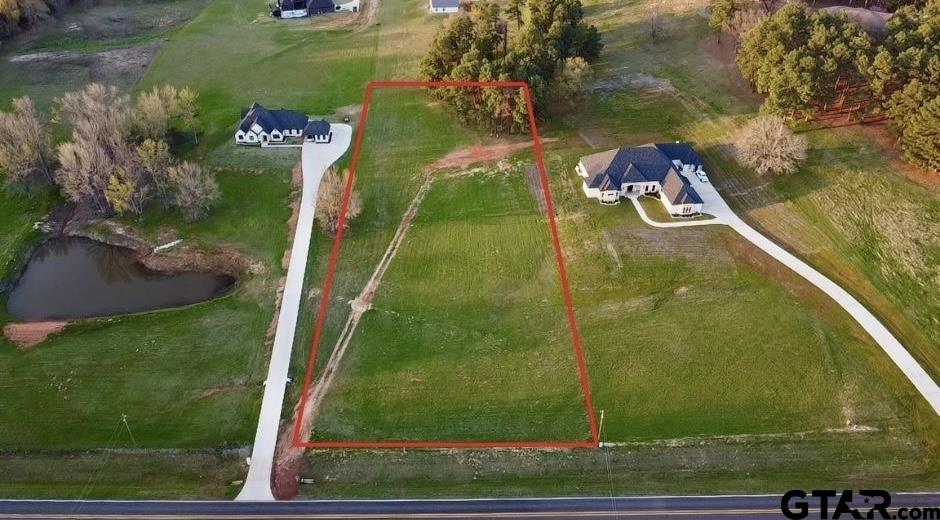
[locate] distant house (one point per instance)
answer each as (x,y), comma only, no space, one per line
(651,169)
(318,131)
(444,6)
(352,7)
(260,125)
(301,8)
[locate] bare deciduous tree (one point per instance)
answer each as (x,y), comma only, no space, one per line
(157,110)
(769,146)
(195,190)
(156,160)
(330,202)
(25,151)
(100,118)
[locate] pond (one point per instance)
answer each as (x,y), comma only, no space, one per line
(69,278)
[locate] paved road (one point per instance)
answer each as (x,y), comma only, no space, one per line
(712,507)
(715,205)
(315,159)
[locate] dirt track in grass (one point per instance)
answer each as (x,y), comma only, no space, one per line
(288,463)
(469,155)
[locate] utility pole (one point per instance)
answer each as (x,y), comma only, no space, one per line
(128,427)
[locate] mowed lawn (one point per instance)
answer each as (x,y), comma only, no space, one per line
(185,378)
(467,338)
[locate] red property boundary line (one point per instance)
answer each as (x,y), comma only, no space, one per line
(559,256)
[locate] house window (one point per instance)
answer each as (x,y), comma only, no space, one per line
(629,187)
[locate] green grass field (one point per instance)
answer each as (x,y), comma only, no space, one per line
(717,369)
(470,302)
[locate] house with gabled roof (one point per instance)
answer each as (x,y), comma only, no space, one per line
(260,125)
(301,8)
(652,169)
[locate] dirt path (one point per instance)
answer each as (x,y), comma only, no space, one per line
(468,155)
(369,10)
(288,465)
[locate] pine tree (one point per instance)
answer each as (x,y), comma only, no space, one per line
(920,141)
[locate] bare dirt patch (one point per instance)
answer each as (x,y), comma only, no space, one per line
(122,67)
(28,335)
(633,80)
(476,154)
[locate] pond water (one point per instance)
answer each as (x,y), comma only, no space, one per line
(68,278)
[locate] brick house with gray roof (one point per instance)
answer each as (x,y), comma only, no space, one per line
(651,169)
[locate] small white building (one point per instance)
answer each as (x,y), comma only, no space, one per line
(444,6)
(262,126)
(352,7)
(651,169)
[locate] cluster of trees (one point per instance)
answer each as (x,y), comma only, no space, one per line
(542,42)
(117,157)
(802,61)
(22,14)
(796,57)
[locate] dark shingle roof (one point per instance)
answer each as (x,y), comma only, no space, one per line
(681,152)
(445,3)
(270,120)
(318,127)
(319,6)
(648,163)
(640,164)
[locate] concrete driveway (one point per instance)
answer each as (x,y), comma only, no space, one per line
(714,204)
(315,160)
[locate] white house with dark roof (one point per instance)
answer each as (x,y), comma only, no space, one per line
(651,169)
(261,126)
(444,6)
(301,8)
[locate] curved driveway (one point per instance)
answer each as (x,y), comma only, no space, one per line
(715,205)
(316,158)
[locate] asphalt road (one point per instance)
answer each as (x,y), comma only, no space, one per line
(711,507)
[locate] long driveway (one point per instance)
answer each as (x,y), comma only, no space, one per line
(715,205)
(315,159)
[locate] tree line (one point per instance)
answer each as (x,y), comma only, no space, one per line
(17,15)
(805,61)
(542,42)
(117,157)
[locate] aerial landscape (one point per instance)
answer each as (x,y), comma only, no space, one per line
(312,252)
